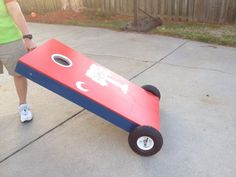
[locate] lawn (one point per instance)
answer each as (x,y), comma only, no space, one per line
(210,33)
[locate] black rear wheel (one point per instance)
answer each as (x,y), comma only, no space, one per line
(152,89)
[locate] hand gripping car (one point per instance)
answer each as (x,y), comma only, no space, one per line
(92,86)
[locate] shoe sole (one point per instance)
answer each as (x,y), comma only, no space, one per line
(26,121)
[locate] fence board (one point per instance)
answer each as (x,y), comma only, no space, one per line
(184,9)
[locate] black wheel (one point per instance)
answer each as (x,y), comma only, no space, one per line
(153,90)
(145,140)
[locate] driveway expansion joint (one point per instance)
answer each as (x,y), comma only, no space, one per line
(41,136)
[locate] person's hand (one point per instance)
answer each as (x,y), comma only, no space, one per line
(29,44)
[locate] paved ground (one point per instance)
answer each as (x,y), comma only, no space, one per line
(198,112)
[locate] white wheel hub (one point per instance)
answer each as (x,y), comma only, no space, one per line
(145,143)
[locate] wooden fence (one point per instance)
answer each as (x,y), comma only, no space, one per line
(213,11)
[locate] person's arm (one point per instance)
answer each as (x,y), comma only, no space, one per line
(17,15)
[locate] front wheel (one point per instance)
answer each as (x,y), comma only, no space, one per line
(145,140)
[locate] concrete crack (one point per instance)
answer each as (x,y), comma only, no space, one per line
(163,58)
(41,136)
(116,56)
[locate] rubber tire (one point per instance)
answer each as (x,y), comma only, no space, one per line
(155,91)
(145,131)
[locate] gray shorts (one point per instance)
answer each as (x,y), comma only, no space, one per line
(9,55)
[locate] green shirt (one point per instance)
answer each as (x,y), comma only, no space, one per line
(9,32)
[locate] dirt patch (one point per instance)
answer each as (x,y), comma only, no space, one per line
(63,16)
(58,17)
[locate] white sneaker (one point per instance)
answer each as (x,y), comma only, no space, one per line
(25,113)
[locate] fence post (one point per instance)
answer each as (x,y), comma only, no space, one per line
(135,12)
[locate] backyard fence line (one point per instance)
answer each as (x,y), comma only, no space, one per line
(212,11)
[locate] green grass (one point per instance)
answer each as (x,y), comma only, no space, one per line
(114,25)
(99,19)
(210,33)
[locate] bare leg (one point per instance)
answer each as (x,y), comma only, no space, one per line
(21,88)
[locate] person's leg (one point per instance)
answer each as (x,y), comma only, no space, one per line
(21,88)
(13,51)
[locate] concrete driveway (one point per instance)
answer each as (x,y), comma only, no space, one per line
(198,111)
